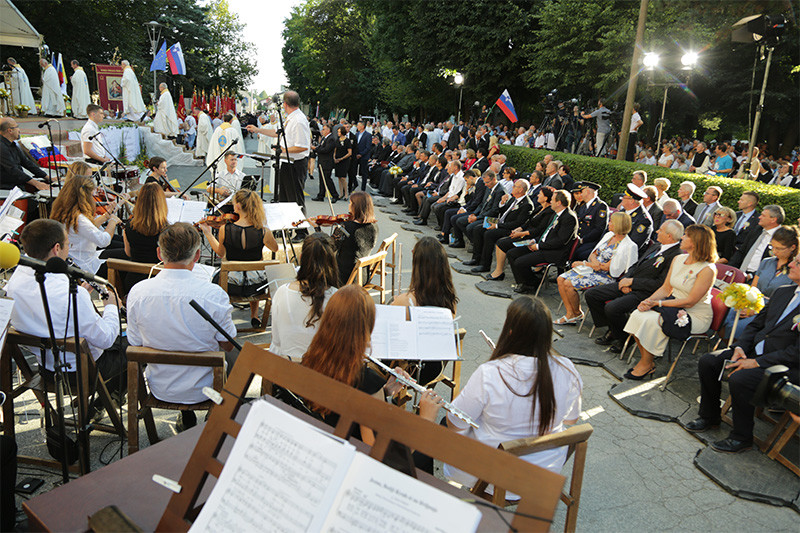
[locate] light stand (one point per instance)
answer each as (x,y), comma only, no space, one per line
(154,34)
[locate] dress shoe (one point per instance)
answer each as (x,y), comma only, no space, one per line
(701,424)
(334,200)
(469,262)
(501,277)
(605,340)
(730,445)
(457,244)
(437,228)
(396,201)
(616,346)
(480,269)
(317,199)
(523,288)
(647,375)
(410,211)
(419,222)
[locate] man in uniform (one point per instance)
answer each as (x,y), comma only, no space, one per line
(592,219)
(641,223)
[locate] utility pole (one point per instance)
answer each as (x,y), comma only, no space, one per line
(624,133)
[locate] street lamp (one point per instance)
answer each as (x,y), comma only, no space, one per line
(458,79)
(154,34)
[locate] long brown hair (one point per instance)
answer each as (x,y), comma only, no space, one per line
(340,344)
(75,199)
(704,241)
(431,279)
(252,208)
(528,331)
(363,210)
(318,271)
(78,168)
(150,212)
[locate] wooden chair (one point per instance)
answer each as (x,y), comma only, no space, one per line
(576,438)
(115,266)
(141,402)
(454,380)
(247,266)
(375,264)
(786,429)
(33,381)
(393,259)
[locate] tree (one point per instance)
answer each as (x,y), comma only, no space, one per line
(231,60)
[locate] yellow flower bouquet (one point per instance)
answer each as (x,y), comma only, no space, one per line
(741,297)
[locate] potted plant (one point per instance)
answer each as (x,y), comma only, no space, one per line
(22,110)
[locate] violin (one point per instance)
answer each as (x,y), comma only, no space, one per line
(327,220)
(217,222)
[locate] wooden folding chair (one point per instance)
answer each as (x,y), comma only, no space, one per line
(141,403)
(576,438)
(115,266)
(375,264)
(785,430)
(247,266)
(393,259)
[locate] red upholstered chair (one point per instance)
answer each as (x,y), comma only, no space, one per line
(730,274)
(547,266)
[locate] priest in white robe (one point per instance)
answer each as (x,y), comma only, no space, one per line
(52,98)
(132,104)
(204,132)
(265,142)
(21,87)
(222,138)
(80,91)
(166,121)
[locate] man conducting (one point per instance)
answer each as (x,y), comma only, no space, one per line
(52,99)
(132,104)
(80,91)
(166,121)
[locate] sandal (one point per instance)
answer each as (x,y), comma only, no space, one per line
(561,321)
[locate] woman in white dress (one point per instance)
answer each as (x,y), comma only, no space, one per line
(689,282)
(522,391)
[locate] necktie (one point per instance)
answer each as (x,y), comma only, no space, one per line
(739,223)
(786,312)
(547,230)
(702,215)
(503,218)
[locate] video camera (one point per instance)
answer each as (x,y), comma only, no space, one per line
(776,391)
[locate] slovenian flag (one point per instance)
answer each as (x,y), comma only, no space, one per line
(160,61)
(505,103)
(176,63)
(58,64)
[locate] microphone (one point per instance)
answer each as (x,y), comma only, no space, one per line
(10,257)
(91,137)
(203,313)
(56,265)
(43,124)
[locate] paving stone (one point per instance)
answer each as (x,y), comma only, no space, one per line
(501,289)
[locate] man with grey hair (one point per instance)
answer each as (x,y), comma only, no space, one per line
(756,247)
(611,303)
(160,316)
(672,211)
(685,192)
(133,107)
(166,121)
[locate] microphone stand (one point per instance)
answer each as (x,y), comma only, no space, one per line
(117,165)
(83,426)
(212,165)
(51,158)
(203,313)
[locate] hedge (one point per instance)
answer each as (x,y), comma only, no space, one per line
(613,175)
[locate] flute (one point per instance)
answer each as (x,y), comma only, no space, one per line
(419,388)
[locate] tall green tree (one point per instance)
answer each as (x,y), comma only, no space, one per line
(232,61)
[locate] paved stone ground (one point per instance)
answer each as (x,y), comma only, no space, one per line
(639,472)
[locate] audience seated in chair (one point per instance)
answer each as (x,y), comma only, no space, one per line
(592,219)
(160,317)
(687,287)
(641,223)
(755,248)
(672,211)
(298,306)
(724,219)
(490,207)
(141,234)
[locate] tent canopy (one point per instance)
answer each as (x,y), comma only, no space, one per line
(15,30)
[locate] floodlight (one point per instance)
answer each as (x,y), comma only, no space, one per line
(689,59)
(458,78)
(650,60)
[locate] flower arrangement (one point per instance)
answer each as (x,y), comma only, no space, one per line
(4,94)
(395,170)
(741,297)
(796,321)
(22,107)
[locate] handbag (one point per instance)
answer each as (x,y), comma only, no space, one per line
(675,322)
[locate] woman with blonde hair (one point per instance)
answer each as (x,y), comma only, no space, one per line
(244,240)
(662,186)
(75,208)
(141,233)
(724,220)
(78,168)
(687,288)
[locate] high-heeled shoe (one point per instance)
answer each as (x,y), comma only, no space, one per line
(501,277)
(647,375)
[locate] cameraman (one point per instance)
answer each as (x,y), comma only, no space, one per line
(603,115)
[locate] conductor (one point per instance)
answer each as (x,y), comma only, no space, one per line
(292,178)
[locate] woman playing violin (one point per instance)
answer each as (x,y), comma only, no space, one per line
(158,174)
(141,234)
(244,240)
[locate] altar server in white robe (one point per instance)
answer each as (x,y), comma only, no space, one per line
(166,121)
(80,91)
(52,99)
(265,141)
(222,138)
(21,87)
(204,132)
(132,103)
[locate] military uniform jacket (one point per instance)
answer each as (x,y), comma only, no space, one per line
(641,227)
(592,220)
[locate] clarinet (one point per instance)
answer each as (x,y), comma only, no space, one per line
(419,388)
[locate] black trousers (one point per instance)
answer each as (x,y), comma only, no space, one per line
(483,248)
(441,209)
(363,170)
(742,384)
(292,180)
(449,216)
(326,177)
(8,479)
(583,251)
(112,364)
(426,206)
(523,260)
(630,152)
(610,307)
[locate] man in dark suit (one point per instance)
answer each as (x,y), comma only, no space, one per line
(482,139)
(363,147)
(549,246)
(490,207)
(454,138)
(685,192)
(418,169)
(592,216)
(422,180)
(481,164)
(641,223)
(611,303)
(352,171)
(772,338)
(649,203)
(566,179)
(473,200)
(746,217)
(756,247)
(672,211)
(325,160)
(405,163)
(515,212)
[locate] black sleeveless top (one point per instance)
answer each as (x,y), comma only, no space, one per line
(253,243)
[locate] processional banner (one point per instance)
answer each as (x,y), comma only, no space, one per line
(109,85)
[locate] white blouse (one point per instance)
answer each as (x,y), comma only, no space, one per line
(503,415)
(290,336)
(625,255)
(84,243)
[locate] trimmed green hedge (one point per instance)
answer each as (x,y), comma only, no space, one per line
(613,175)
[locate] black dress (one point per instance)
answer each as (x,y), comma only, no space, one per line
(166,186)
(726,243)
(342,146)
(143,250)
(358,243)
(244,243)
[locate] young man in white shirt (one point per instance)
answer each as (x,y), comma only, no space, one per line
(91,137)
(160,317)
(229,180)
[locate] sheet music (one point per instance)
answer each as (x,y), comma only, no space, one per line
(376,498)
(190,211)
(280,476)
(14,195)
(283,214)
(8,225)
(380,339)
(435,333)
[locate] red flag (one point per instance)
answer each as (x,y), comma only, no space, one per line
(195,101)
(181,106)
(204,103)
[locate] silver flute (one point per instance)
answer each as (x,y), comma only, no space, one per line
(408,382)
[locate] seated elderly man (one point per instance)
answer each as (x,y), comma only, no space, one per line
(160,317)
(672,211)
(610,304)
(770,339)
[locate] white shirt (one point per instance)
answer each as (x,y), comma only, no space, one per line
(290,309)
(650,160)
(520,140)
(666,159)
(83,244)
(28,316)
(230,180)
(298,133)
(635,118)
(507,185)
(663,198)
(160,317)
(457,186)
(502,415)
(760,245)
(89,129)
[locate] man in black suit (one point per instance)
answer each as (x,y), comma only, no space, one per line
(514,212)
(423,180)
(405,162)
(772,338)
(549,246)
(611,303)
(746,217)
(454,138)
(418,169)
(672,211)
(592,216)
(363,148)
(481,164)
(756,247)
(325,160)
(490,207)
(476,191)
(649,203)
(642,224)
(483,141)
(685,192)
